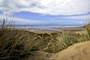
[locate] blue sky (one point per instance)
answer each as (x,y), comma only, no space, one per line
(70,12)
(50,18)
(1,12)
(53,19)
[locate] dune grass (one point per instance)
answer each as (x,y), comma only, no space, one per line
(14,42)
(88,29)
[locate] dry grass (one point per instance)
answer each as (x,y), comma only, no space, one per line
(20,43)
(14,42)
(88,29)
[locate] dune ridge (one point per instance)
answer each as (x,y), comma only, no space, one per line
(79,51)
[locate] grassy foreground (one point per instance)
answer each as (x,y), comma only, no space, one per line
(20,43)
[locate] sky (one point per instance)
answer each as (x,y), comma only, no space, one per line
(46,12)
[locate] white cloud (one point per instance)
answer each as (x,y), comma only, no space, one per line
(81,17)
(53,7)
(86,17)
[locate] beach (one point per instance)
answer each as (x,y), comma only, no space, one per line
(54,29)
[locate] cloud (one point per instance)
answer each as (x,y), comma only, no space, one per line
(81,17)
(86,17)
(52,7)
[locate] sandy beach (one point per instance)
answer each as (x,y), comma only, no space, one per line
(54,29)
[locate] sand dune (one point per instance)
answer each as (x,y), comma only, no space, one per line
(80,51)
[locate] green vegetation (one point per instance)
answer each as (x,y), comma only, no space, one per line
(14,42)
(88,29)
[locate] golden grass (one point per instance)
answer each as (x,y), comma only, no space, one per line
(20,43)
(88,29)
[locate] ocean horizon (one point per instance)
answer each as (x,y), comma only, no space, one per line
(48,26)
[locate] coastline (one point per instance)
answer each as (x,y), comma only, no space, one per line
(54,29)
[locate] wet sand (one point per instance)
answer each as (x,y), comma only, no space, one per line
(71,29)
(55,30)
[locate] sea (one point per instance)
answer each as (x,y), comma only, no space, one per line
(48,27)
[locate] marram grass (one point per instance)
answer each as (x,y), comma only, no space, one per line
(19,43)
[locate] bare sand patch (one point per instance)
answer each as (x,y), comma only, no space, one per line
(79,51)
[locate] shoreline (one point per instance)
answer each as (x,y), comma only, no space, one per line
(54,29)
(51,29)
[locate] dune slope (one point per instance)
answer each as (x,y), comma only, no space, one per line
(80,51)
